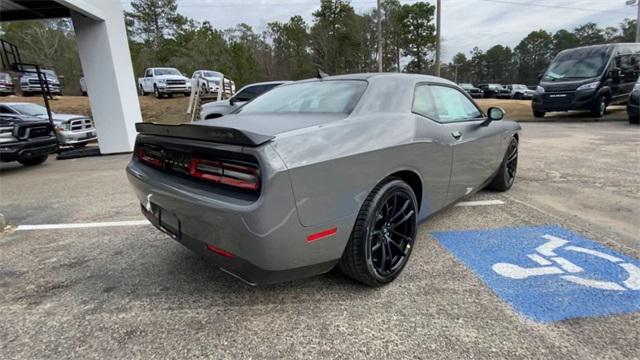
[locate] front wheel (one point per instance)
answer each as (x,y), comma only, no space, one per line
(37,160)
(539,114)
(634,119)
(383,236)
(599,107)
(518,96)
(506,174)
(156,92)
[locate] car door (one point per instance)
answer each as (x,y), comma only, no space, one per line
(148,80)
(435,150)
(475,141)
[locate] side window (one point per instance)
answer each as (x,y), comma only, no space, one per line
(247,94)
(148,73)
(453,106)
(423,102)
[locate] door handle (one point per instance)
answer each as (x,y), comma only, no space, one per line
(456,135)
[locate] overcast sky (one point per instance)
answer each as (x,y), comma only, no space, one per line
(466,23)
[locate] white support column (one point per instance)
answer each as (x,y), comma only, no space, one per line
(108,72)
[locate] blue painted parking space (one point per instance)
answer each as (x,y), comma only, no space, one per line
(548,273)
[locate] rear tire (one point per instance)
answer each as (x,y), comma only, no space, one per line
(600,106)
(539,114)
(383,235)
(634,119)
(506,175)
(37,160)
(518,96)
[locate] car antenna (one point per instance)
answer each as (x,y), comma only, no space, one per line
(321,74)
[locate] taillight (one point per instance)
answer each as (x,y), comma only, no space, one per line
(151,157)
(241,176)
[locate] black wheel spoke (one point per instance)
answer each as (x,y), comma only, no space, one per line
(400,212)
(402,236)
(401,221)
(397,246)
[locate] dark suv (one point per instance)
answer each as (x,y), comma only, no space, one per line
(497,91)
(588,78)
(26,139)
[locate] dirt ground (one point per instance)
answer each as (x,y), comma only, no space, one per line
(174,110)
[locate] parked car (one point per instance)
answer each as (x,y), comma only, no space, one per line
(29,83)
(495,91)
(6,84)
(588,78)
(633,105)
(220,108)
(162,81)
(71,130)
(213,79)
(472,90)
(519,91)
(26,139)
(321,173)
(83,86)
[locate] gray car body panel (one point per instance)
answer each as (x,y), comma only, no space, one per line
(319,169)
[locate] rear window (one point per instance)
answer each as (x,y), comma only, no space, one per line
(328,96)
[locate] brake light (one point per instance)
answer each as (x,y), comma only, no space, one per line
(241,176)
(150,157)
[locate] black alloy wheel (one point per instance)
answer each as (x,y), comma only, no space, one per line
(511,164)
(392,234)
(506,174)
(383,235)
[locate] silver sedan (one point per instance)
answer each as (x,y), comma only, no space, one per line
(335,171)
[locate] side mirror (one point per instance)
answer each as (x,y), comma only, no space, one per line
(231,101)
(539,76)
(496,113)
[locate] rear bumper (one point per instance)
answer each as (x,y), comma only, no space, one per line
(266,238)
(27,149)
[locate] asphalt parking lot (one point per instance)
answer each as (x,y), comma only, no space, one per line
(130,291)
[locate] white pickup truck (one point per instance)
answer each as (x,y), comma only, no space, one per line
(163,81)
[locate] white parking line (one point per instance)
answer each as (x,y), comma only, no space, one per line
(480,203)
(82,225)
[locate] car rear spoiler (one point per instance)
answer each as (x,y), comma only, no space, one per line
(217,134)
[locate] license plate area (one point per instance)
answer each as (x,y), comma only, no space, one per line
(168,222)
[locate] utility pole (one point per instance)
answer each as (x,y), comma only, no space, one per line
(631,3)
(438,35)
(379,36)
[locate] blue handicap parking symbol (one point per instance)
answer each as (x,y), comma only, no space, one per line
(548,273)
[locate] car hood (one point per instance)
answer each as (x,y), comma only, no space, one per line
(60,118)
(271,124)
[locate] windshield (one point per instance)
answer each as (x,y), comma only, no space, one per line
(577,64)
(166,71)
(32,73)
(330,96)
(211,74)
(30,109)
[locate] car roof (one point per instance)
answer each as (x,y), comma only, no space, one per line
(18,103)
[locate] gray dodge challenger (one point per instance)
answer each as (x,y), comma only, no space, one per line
(335,171)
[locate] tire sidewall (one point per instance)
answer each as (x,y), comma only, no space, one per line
(379,199)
